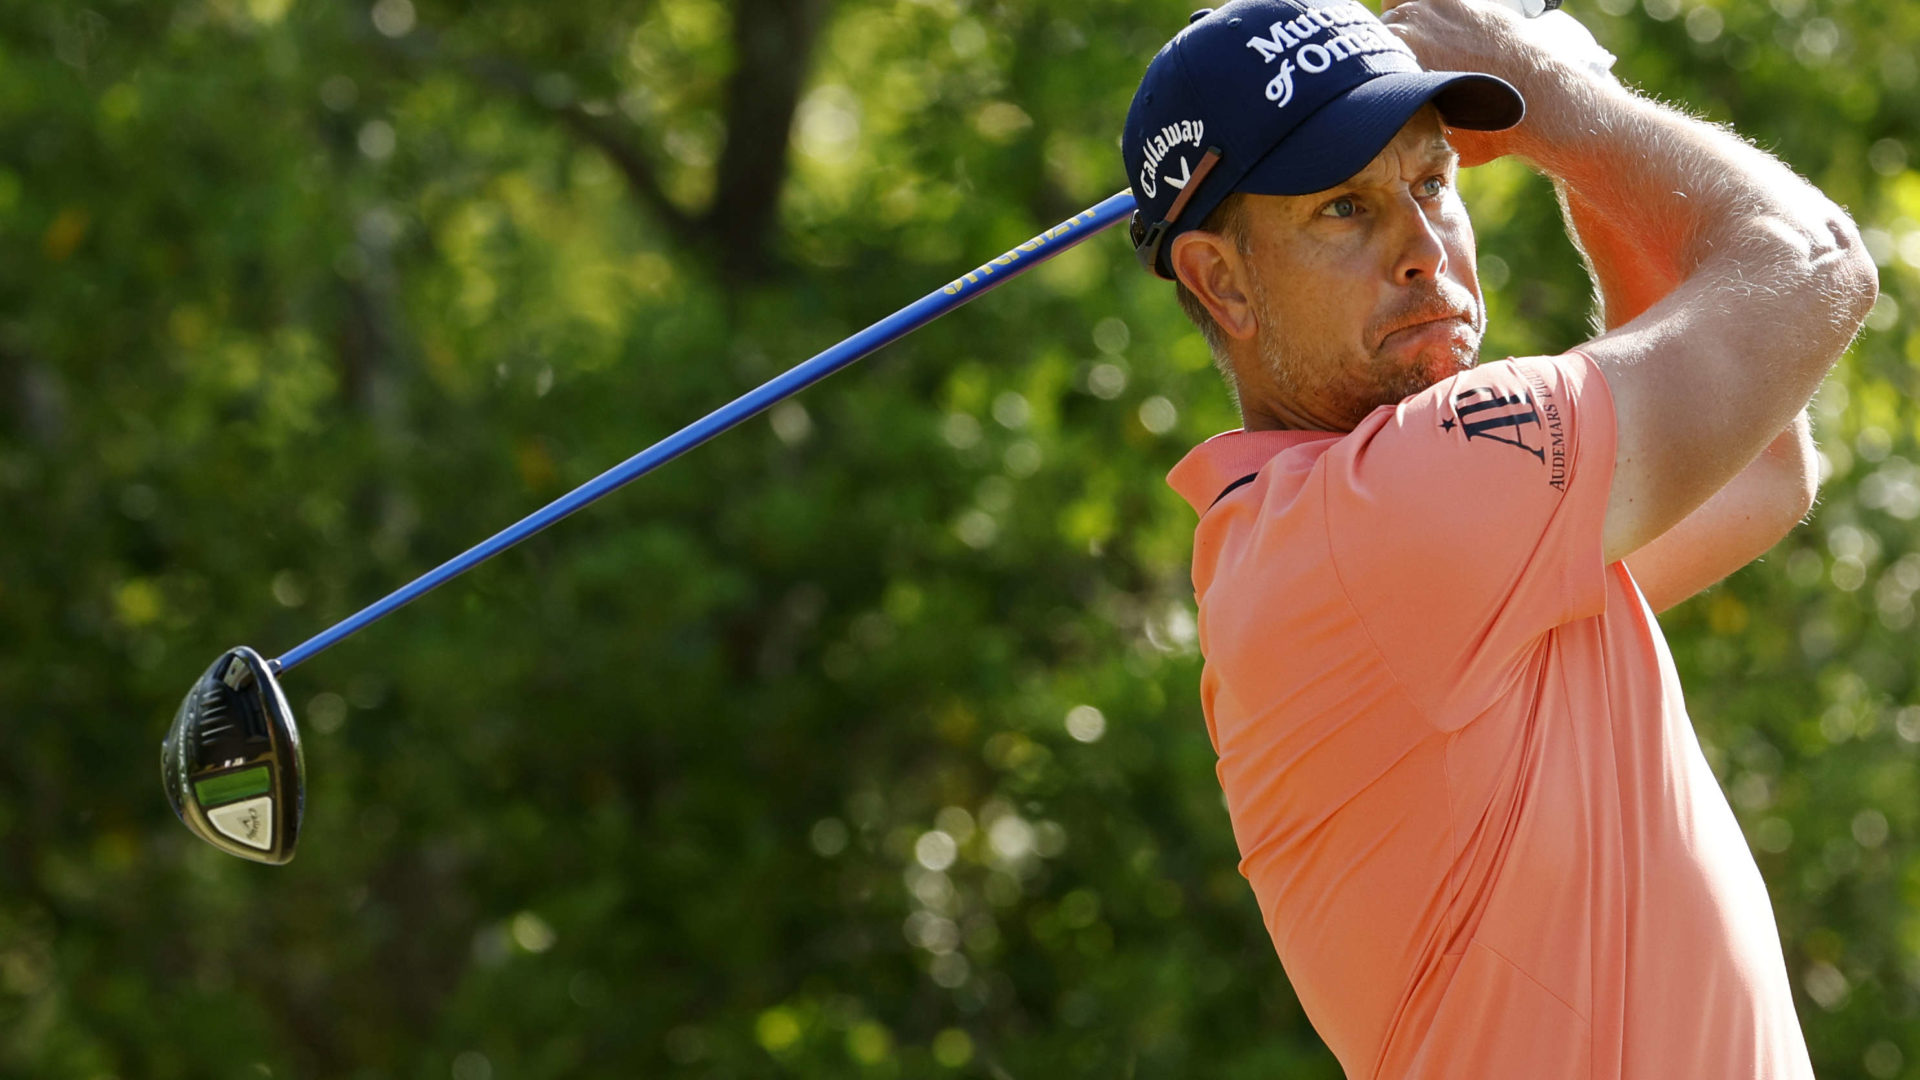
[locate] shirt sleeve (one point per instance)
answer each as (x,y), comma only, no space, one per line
(1466,522)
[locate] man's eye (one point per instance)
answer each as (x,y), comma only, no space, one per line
(1432,186)
(1341,207)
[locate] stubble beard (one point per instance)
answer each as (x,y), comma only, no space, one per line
(1346,388)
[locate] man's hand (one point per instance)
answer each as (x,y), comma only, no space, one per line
(1480,35)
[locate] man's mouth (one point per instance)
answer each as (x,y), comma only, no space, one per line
(1421,323)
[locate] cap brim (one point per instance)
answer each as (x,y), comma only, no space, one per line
(1345,134)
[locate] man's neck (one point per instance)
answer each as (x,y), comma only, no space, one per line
(1274,414)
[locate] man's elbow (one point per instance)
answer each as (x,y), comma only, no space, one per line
(1782,500)
(1802,288)
(1792,468)
(1852,281)
(1804,496)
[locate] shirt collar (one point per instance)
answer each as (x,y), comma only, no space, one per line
(1210,467)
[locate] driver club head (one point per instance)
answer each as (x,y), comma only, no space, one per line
(231,762)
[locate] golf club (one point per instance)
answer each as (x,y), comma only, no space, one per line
(231,761)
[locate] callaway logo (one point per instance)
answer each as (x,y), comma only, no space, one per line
(1311,57)
(1158,144)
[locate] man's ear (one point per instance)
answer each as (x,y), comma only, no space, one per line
(1211,268)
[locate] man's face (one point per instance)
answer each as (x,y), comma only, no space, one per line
(1367,292)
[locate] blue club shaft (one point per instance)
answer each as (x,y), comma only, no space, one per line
(1015,262)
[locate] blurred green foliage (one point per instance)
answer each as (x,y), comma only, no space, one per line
(863,741)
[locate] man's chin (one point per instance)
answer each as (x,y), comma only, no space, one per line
(1352,386)
(1400,377)
(1407,376)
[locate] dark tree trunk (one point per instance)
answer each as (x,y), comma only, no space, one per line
(773,44)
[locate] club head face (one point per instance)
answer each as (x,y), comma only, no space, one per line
(231,763)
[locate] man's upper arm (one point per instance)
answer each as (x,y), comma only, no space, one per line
(1710,375)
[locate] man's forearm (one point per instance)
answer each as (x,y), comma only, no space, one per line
(1653,196)
(1628,277)
(1738,525)
(1643,230)
(1629,274)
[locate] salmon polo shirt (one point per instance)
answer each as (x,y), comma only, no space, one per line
(1459,768)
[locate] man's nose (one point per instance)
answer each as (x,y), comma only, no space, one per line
(1423,251)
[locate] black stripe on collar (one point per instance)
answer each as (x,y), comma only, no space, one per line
(1231,488)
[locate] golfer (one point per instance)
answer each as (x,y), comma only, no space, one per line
(1458,764)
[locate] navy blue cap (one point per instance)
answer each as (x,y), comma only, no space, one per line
(1279,97)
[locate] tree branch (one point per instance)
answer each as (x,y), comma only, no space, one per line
(773,45)
(421,49)
(599,133)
